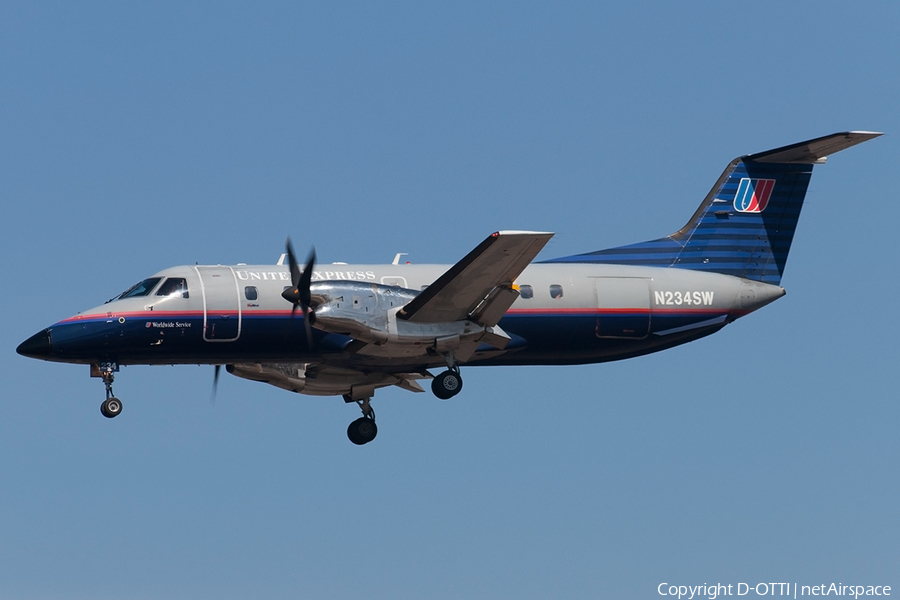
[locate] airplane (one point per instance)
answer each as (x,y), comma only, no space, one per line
(347,330)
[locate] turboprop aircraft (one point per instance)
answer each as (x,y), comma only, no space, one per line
(347,330)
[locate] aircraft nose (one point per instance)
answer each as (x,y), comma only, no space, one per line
(37,346)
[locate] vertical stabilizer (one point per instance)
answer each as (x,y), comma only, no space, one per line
(745,225)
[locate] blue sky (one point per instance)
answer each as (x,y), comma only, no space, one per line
(137,137)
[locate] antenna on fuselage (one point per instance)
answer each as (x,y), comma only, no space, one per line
(280,262)
(396,260)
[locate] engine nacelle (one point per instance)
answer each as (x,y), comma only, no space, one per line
(368,312)
(360,310)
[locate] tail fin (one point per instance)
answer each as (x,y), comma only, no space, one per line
(745,225)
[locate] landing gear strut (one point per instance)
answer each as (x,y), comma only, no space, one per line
(363,430)
(449,383)
(112,406)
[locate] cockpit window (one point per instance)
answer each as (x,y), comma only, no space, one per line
(174,286)
(139,289)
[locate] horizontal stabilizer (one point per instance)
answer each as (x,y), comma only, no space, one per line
(813,151)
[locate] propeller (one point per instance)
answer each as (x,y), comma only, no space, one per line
(298,294)
(212,397)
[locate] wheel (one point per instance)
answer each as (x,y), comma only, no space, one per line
(362,431)
(111,407)
(446,385)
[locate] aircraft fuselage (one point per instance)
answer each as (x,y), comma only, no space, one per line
(566,314)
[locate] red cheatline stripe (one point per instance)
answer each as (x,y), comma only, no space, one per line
(159,315)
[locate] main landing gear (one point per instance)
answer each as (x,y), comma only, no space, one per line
(446,385)
(112,406)
(363,430)
(449,383)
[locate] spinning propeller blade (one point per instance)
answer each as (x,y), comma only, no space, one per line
(212,397)
(298,294)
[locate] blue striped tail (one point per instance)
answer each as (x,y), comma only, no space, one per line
(745,225)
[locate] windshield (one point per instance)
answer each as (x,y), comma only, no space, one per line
(139,289)
(174,286)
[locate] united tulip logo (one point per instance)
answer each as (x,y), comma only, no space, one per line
(753,195)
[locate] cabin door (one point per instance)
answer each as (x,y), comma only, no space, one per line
(221,304)
(624,307)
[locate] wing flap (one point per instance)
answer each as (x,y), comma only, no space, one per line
(490,310)
(468,286)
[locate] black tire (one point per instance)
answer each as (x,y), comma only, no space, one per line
(362,431)
(111,407)
(446,385)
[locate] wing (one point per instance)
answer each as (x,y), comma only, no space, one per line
(480,286)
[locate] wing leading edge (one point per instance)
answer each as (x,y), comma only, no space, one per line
(480,286)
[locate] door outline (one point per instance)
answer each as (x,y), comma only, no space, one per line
(225,287)
(637,299)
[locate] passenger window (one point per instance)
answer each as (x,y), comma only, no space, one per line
(526,291)
(251,293)
(556,291)
(174,286)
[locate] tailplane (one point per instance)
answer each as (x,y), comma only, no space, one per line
(745,225)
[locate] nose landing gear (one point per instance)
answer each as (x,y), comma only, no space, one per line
(112,406)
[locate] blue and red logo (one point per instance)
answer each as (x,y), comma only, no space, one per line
(753,195)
